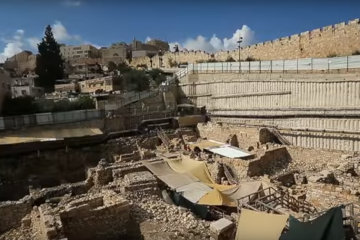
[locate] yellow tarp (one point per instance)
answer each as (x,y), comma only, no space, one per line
(216,198)
(199,170)
(196,168)
(243,189)
(259,225)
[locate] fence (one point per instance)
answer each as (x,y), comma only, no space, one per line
(16,122)
(295,65)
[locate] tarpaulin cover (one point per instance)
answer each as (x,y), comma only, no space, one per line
(159,168)
(260,226)
(177,180)
(216,198)
(187,165)
(229,151)
(243,189)
(194,191)
(192,179)
(173,179)
(326,227)
(200,210)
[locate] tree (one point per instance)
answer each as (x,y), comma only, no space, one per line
(157,75)
(49,64)
(136,80)
(123,68)
(111,66)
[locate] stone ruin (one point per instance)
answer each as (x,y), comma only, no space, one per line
(121,199)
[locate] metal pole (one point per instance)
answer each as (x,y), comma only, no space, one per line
(260,66)
(283,66)
(347,63)
(239,58)
(239,42)
(297,65)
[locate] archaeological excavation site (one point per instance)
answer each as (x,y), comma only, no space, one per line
(249,150)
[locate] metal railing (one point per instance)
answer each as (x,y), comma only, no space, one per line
(295,65)
(269,199)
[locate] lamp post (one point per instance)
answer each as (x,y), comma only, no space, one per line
(176,49)
(239,42)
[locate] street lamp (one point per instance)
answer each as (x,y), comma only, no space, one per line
(176,49)
(239,42)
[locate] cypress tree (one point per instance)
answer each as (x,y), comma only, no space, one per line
(49,64)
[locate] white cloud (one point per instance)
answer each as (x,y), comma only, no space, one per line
(172,45)
(215,44)
(147,39)
(61,34)
(33,42)
(93,44)
(70,3)
(19,42)
(13,45)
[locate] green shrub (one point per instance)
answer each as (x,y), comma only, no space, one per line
(157,75)
(230,59)
(18,106)
(136,80)
(250,59)
(28,105)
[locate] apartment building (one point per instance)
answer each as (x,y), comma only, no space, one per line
(81,51)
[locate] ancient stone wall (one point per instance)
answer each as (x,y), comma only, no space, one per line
(12,212)
(341,39)
(99,217)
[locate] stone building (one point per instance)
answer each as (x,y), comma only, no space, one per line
(25,86)
(26,90)
(84,67)
(160,45)
(103,84)
(80,51)
(23,62)
(68,87)
(116,53)
(150,48)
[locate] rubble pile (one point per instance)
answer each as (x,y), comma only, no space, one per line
(176,220)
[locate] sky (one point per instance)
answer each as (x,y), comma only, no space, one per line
(207,25)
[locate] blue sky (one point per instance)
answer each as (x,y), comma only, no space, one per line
(207,25)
